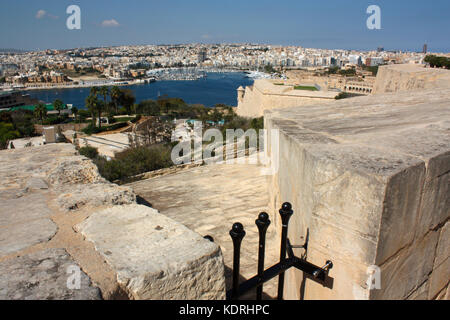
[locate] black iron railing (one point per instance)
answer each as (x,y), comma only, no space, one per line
(287,259)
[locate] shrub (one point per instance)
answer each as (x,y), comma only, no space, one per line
(135,161)
(136,119)
(7,133)
(91,129)
(89,152)
(343,95)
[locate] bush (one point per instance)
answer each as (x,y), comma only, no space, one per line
(135,161)
(89,152)
(91,129)
(136,119)
(343,95)
(7,133)
(438,62)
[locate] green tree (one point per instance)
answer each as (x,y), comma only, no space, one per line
(104,91)
(7,133)
(40,112)
(58,105)
(74,112)
(115,94)
(127,100)
(95,106)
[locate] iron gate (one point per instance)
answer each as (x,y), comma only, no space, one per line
(311,271)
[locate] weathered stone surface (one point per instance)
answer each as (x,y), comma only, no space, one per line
(43,276)
(36,183)
(209,199)
(96,195)
(443,248)
(30,218)
(407,270)
(421,293)
(406,77)
(439,279)
(435,200)
(16,237)
(368,179)
(75,170)
(28,207)
(154,256)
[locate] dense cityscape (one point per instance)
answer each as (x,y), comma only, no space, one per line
(115,64)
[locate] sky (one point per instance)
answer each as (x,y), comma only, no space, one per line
(328,24)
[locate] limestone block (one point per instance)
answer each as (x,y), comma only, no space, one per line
(17,237)
(74,170)
(96,195)
(155,257)
(435,206)
(36,183)
(408,269)
(439,279)
(401,211)
(421,293)
(44,276)
(443,249)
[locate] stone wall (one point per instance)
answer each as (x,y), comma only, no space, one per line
(264,95)
(64,127)
(369,181)
(406,77)
(57,212)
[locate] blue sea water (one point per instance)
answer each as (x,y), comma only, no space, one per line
(216,88)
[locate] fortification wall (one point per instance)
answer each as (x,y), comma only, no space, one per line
(407,77)
(369,180)
(264,95)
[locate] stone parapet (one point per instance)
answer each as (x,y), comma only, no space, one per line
(369,180)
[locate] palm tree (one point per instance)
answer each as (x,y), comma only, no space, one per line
(115,94)
(40,112)
(74,112)
(95,106)
(104,91)
(58,105)
(94,91)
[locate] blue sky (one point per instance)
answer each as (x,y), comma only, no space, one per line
(406,25)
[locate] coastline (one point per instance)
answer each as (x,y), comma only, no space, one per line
(119,83)
(79,85)
(217,88)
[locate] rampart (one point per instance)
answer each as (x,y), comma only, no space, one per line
(369,180)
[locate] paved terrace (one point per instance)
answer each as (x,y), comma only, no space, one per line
(209,200)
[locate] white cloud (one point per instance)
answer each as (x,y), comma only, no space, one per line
(110,23)
(40,14)
(206,36)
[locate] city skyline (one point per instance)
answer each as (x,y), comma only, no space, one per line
(405,25)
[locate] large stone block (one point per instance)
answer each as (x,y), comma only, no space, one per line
(435,206)
(155,257)
(16,237)
(45,275)
(407,270)
(443,248)
(439,279)
(368,181)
